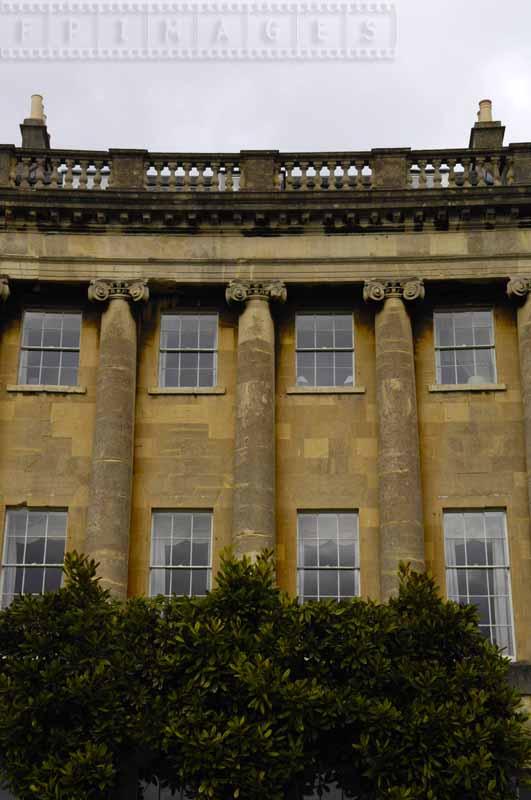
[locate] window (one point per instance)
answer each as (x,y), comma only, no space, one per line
(181,552)
(188,350)
(153,791)
(477,570)
(34,548)
(325,350)
(329,562)
(464,347)
(50,348)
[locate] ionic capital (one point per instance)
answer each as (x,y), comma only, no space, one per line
(241,291)
(102,289)
(379,289)
(519,287)
(4,289)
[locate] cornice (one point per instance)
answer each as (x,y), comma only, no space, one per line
(266,214)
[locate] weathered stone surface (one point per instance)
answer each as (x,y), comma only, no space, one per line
(254,454)
(109,516)
(400,492)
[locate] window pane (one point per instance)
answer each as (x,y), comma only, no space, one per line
(324,369)
(485,365)
(347,583)
(208,327)
(444,330)
(32,329)
(309,583)
(199,582)
(181,582)
(189,332)
(309,553)
(305,330)
(324,331)
(306,369)
(52,579)
(33,580)
(463,329)
(328,586)
(344,369)
(343,330)
(328,552)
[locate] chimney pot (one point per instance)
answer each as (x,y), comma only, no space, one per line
(485,111)
(37,108)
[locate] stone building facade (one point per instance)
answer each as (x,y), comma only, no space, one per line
(326,354)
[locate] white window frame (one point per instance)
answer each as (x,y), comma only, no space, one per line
(457,348)
(486,567)
(303,568)
(191,568)
(42,349)
(333,349)
(162,369)
(24,565)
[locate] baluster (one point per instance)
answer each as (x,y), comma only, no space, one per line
(321,180)
(304,167)
(171,182)
(200,178)
(288,166)
(96,178)
(343,180)
(228,182)
(356,181)
(187,166)
(437,176)
(452,163)
(496,170)
(367,178)
(83,177)
(68,175)
(467,167)
(39,172)
(423,178)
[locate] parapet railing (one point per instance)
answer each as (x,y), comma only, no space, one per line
(265,171)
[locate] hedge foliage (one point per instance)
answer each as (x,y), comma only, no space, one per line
(247,694)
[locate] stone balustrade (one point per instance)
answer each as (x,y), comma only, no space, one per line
(456,169)
(264,171)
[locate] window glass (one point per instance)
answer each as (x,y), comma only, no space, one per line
(188,350)
(34,547)
(477,570)
(464,347)
(181,552)
(328,555)
(325,350)
(50,349)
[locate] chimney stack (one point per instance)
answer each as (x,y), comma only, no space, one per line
(486,134)
(34,131)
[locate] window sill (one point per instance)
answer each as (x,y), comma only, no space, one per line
(187,390)
(326,390)
(28,388)
(468,387)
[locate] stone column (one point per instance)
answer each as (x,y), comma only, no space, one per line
(109,513)
(400,492)
(520,289)
(253,526)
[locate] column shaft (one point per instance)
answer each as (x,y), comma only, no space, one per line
(400,491)
(254,459)
(524,346)
(109,514)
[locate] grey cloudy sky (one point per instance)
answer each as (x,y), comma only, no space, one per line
(450,54)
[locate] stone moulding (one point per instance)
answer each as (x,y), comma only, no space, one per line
(102,290)
(241,291)
(4,289)
(379,289)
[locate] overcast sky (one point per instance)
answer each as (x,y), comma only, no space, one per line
(450,54)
